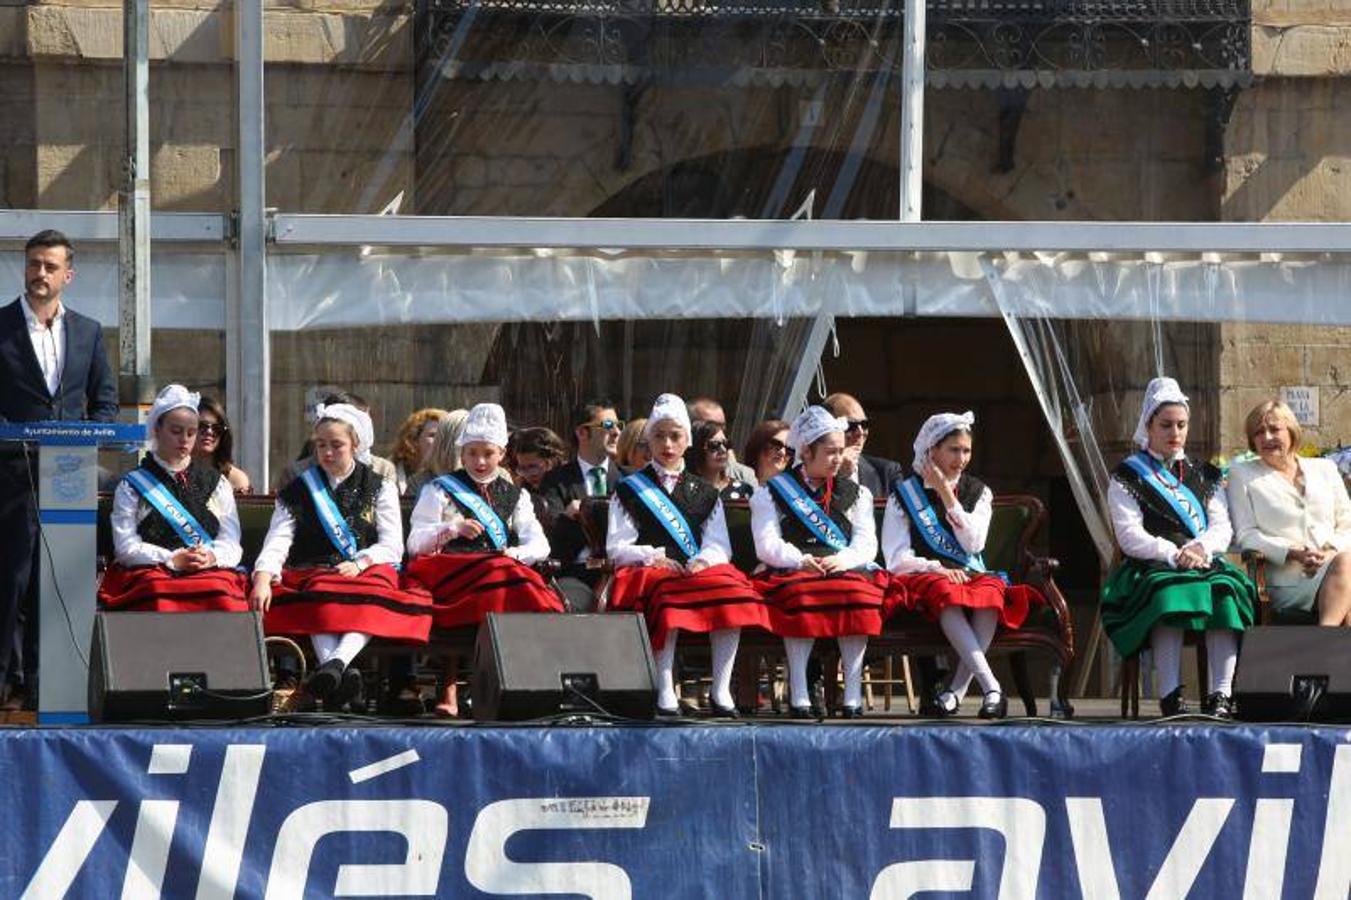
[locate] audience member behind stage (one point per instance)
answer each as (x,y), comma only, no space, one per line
(473,538)
(444,455)
(592,473)
(215,445)
(413,444)
(1171,521)
(873,472)
(707,409)
(52,366)
(767,450)
(181,559)
(381,466)
(634,452)
(532,453)
(1296,513)
(708,457)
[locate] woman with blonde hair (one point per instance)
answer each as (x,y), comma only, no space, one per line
(1295,512)
(413,444)
(634,452)
(444,456)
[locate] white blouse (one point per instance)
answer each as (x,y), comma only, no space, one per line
(1128,522)
(436,518)
(387,549)
(129,510)
(715,545)
(1272,516)
(778,553)
(970,528)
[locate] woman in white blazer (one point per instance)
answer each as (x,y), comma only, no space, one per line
(1295,512)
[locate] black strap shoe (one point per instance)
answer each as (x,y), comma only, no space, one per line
(851,712)
(1219,705)
(349,692)
(1174,704)
(994,706)
(801,712)
(942,705)
(325,680)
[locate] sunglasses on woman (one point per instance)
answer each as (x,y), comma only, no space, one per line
(212,428)
(716,446)
(774,445)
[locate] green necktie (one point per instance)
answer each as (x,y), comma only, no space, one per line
(597,482)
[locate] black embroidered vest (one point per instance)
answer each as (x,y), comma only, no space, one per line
(202,482)
(844,494)
(502,497)
(969,489)
(693,496)
(356,498)
(1159,519)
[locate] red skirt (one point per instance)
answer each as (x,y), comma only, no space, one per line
(807,605)
(929,593)
(320,601)
(159,589)
(465,587)
(718,597)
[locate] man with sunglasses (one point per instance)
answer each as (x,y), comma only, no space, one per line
(596,427)
(873,472)
(706,409)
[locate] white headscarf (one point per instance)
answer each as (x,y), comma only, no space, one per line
(172,397)
(485,422)
(813,423)
(934,429)
(668,408)
(360,422)
(1161,391)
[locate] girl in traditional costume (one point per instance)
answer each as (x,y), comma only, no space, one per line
(328,564)
(667,537)
(174,522)
(817,536)
(473,538)
(933,533)
(1171,521)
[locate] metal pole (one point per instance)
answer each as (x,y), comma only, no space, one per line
(912,111)
(248,339)
(135,384)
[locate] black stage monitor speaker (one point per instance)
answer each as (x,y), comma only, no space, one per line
(529,665)
(1294,673)
(150,665)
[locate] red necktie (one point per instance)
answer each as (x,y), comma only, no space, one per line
(182,479)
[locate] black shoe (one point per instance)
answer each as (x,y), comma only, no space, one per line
(325,680)
(801,712)
(851,712)
(941,705)
(665,712)
(1174,704)
(1219,705)
(349,690)
(718,711)
(995,705)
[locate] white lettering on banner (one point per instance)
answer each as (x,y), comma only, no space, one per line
(1021,822)
(487,867)
(424,825)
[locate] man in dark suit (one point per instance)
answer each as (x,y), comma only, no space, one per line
(592,473)
(873,472)
(52,366)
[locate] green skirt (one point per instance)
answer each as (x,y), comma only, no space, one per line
(1137,596)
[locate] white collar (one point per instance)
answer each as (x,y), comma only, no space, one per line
(587,467)
(341,478)
(1181,455)
(172,470)
(32,317)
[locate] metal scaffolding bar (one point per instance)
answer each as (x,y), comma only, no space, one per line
(136,386)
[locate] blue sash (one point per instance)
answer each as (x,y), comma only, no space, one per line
(670,517)
(477,507)
(153,491)
(933,528)
(808,511)
(1190,511)
(334,525)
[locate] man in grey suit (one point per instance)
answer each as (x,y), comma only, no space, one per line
(52,366)
(873,472)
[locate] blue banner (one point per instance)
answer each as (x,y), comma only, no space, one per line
(722,811)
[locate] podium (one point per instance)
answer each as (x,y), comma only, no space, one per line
(67,486)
